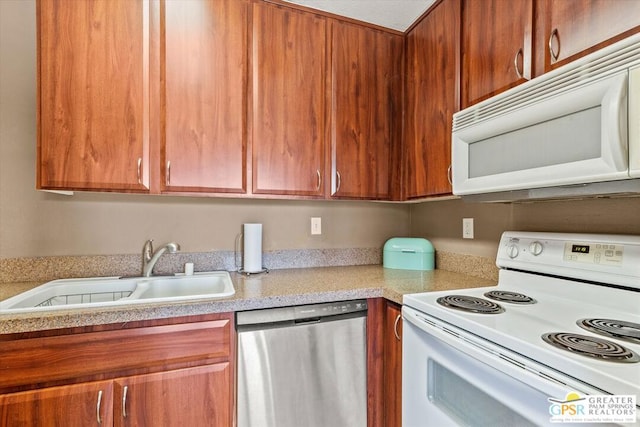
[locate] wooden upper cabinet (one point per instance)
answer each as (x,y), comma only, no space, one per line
(497,43)
(569,29)
(79,405)
(432,51)
(203,97)
(288,101)
(365,110)
(92,95)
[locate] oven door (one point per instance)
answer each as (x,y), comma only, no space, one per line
(451,378)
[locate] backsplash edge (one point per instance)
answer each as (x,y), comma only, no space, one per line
(41,269)
(34,269)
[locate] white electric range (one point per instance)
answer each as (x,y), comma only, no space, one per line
(557,340)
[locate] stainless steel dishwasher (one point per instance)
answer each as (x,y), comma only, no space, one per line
(303,366)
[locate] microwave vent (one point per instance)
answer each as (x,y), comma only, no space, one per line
(599,65)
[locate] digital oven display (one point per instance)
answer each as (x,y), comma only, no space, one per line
(580,249)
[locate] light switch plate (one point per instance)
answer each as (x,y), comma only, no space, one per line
(467,228)
(316,225)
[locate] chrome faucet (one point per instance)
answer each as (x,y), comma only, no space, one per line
(149,258)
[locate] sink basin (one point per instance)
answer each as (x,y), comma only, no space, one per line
(180,287)
(99,292)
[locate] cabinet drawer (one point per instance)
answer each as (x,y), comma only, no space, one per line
(106,354)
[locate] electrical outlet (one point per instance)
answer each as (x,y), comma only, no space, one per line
(316,225)
(467,228)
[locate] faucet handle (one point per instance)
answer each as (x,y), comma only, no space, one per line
(147,250)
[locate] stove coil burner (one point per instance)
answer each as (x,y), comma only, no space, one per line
(626,331)
(470,304)
(512,297)
(593,347)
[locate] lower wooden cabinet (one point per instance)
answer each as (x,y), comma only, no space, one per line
(393,365)
(186,397)
(140,374)
(174,372)
(75,405)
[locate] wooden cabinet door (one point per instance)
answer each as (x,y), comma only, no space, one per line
(191,397)
(288,117)
(203,95)
(572,28)
(393,365)
(79,405)
(496,46)
(365,107)
(432,98)
(92,95)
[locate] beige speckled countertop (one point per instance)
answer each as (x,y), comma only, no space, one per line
(275,289)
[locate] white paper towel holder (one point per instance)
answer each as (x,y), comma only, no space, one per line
(239,267)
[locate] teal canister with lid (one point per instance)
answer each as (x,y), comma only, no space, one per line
(408,253)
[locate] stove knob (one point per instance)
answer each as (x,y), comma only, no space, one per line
(512,250)
(536,248)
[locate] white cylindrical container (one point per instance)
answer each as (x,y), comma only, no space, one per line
(188,269)
(252,248)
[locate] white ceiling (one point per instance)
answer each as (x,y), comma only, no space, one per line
(394,14)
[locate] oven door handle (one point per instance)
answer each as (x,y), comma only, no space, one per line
(509,363)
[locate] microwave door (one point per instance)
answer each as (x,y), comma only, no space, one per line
(573,137)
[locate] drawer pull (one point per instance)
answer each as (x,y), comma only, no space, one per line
(124,401)
(516,64)
(139,170)
(395,327)
(99,404)
(554,35)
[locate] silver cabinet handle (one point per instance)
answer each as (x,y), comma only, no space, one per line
(139,170)
(515,63)
(319,180)
(554,35)
(339,178)
(124,401)
(449,177)
(168,173)
(395,327)
(98,407)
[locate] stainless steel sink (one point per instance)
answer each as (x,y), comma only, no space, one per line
(100,292)
(185,287)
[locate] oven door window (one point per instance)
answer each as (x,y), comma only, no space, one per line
(465,403)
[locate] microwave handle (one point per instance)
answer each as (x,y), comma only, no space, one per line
(614,122)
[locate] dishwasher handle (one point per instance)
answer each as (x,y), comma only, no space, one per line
(307,321)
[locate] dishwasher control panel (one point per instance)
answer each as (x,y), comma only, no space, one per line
(329,309)
(301,313)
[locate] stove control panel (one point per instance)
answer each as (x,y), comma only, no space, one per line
(593,253)
(613,259)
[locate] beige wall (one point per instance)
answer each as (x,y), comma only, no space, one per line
(441,222)
(39,224)
(34,223)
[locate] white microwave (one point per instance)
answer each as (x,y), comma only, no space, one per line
(572,132)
